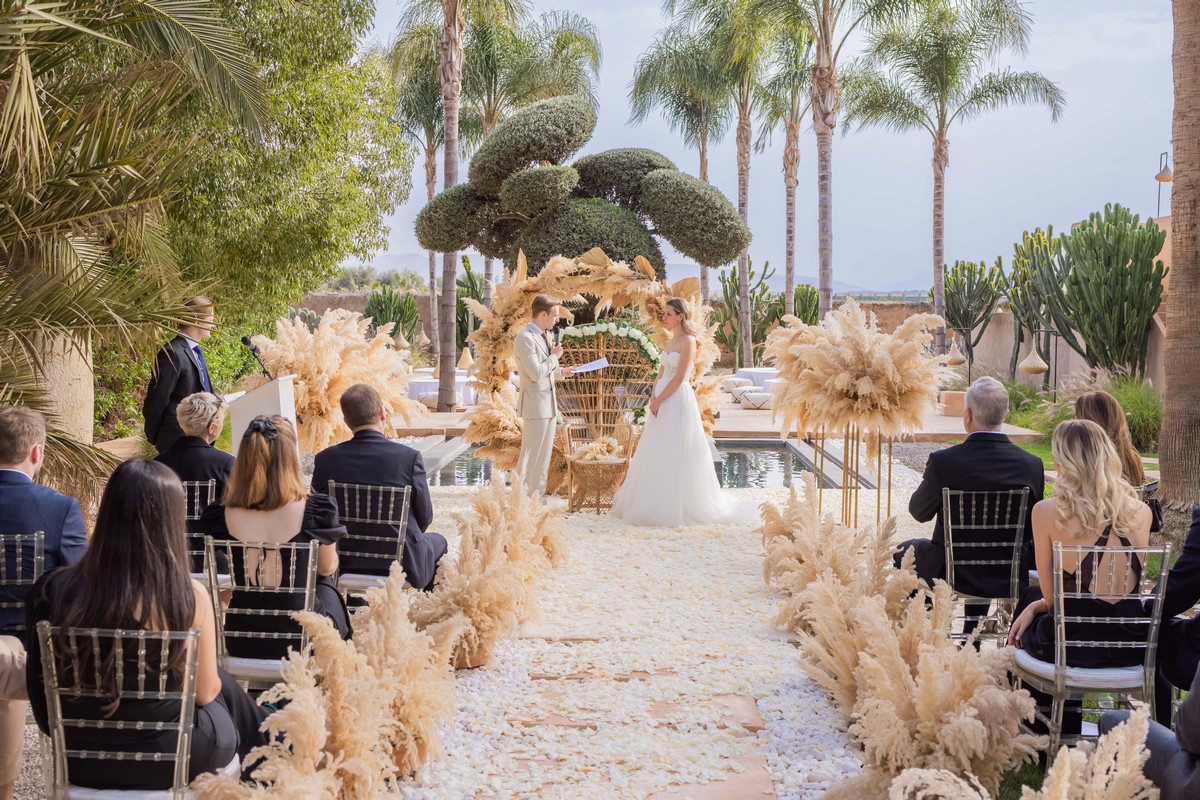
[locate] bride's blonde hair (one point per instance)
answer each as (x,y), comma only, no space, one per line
(684,309)
(1090,486)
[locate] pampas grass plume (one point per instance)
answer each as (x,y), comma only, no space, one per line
(935,784)
(1109,770)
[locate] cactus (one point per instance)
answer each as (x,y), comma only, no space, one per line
(807,303)
(470,284)
(1034,253)
(766,309)
(972,292)
(1109,287)
(310,318)
(387,305)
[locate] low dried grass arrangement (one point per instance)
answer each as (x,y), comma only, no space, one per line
(494,423)
(338,354)
(1111,769)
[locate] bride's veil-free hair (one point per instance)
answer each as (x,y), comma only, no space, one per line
(684,309)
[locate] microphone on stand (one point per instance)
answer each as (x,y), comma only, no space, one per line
(253,348)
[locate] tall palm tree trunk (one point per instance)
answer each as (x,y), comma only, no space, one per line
(791,164)
(743,161)
(430,191)
(489,125)
(941,159)
(1179,443)
(451,80)
(703,146)
(823,92)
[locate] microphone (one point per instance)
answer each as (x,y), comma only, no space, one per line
(556,336)
(253,348)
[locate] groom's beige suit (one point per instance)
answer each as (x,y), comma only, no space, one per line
(537,404)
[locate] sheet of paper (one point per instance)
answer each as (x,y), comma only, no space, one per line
(591,366)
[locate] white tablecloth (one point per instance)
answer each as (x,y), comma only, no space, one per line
(421,385)
(760,375)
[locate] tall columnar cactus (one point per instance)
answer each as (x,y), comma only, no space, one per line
(1106,285)
(766,309)
(1034,253)
(972,292)
(806,301)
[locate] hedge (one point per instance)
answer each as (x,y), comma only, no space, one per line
(586,223)
(616,175)
(694,217)
(537,190)
(448,222)
(550,130)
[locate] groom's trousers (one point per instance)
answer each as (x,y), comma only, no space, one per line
(537,443)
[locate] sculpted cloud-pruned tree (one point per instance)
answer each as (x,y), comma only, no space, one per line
(681,75)
(521,196)
(931,70)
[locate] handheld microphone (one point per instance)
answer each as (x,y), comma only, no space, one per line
(253,348)
(556,337)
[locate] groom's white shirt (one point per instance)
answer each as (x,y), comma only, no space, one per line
(538,370)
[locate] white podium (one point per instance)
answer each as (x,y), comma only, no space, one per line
(276,397)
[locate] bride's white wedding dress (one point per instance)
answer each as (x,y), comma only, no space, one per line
(671,480)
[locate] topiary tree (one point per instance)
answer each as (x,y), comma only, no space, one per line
(520,196)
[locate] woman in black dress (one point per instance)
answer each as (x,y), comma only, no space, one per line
(266,501)
(135,576)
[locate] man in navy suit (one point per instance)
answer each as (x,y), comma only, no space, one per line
(179,370)
(370,458)
(27,507)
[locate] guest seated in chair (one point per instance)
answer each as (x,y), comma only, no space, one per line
(986,461)
(134,576)
(370,458)
(1174,763)
(1092,506)
(266,501)
(13,699)
(193,457)
(1179,638)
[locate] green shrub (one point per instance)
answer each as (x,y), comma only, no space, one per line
(583,224)
(537,190)
(448,223)
(616,175)
(469,284)
(387,305)
(119,381)
(550,130)
(695,217)
(1143,410)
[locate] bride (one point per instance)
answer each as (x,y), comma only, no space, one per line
(671,480)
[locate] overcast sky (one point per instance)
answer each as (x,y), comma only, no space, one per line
(1009,171)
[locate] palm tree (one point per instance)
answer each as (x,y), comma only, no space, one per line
(1179,443)
(785,101)
(832,22)
(87,166)
(513,65)
(743,39)
(932,70)
(413,57)
(681,76)
(452,16)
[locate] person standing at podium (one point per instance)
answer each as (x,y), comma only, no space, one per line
(179,370)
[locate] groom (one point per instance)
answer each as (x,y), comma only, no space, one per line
(537,366)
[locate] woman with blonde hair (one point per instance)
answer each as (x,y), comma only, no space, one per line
(1104,410)
(266,501)
(671,480)
(193,457)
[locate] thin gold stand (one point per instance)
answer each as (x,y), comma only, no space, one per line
(853,440)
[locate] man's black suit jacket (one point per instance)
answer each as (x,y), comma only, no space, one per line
(176,375)
(986,461)
(194,459)
(371,458)
(28,507)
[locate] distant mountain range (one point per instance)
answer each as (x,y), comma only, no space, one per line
(419,263)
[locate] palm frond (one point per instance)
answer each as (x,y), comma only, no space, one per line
(1007,88)
(871,98)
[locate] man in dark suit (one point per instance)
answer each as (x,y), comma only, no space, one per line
(986,461)
(179,370)
(1179,637)
(370,458)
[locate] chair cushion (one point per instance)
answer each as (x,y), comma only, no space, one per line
(1083,677)
(729,384)
(756,400)
(232,769)
(356,582)
(742,391)
(254,669)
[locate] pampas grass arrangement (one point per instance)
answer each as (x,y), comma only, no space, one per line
(845,374)
(338,354)
(1109,770)
(935,784)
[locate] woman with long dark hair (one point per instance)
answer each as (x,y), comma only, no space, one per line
(134,576)
(267,502)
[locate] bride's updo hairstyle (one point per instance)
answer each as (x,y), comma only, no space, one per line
(683,309)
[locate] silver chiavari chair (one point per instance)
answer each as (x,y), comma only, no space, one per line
(22,560)
(198,495)
(376,518)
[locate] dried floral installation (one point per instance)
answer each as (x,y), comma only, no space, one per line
(935,784)
(1109,770)
(494,422)
(327,361)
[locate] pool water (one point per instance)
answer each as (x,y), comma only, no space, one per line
(762,465)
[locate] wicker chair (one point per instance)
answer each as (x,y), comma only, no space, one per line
(592,483)
(22,559)
(376,518)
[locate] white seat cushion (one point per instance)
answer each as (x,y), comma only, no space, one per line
(1083,677)
(742,391)
(254,669)
(756,400)
(729,384)
(356,582)
(232,769)
(430,400)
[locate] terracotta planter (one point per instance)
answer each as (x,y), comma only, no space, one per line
(952,403)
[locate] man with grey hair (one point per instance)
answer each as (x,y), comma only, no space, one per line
(986,461)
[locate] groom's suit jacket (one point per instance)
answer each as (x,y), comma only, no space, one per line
(538,370)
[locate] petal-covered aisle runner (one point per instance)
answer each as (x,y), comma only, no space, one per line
(652,673)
